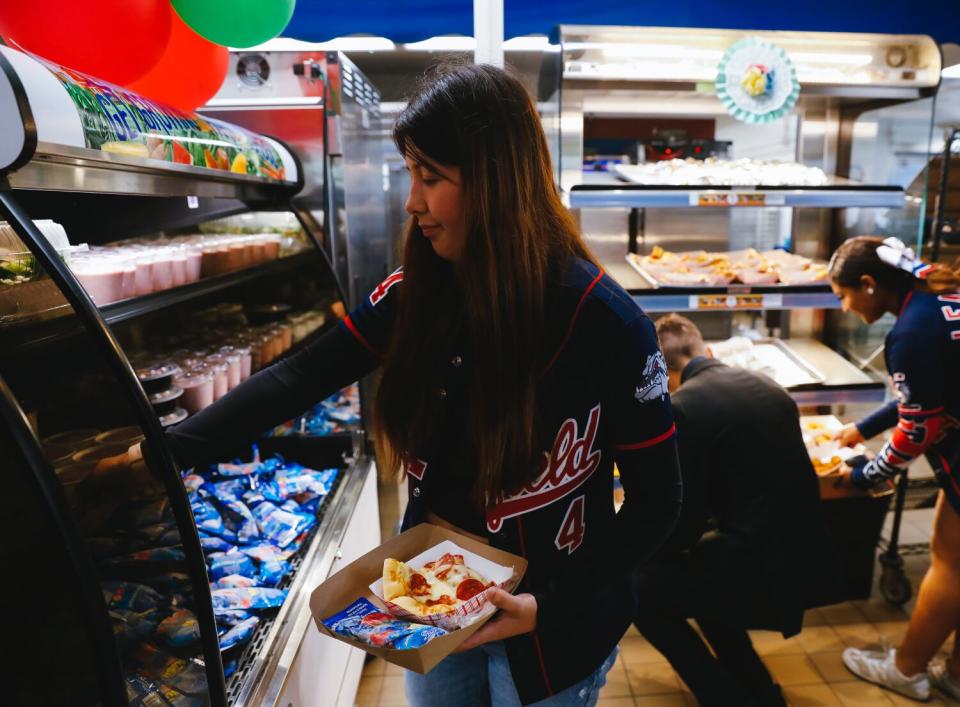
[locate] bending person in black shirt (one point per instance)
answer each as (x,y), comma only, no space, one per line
(745,472)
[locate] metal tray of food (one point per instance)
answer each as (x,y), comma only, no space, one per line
(773,357)
(732,286)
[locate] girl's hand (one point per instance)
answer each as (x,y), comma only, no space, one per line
(849,436)
(518,614)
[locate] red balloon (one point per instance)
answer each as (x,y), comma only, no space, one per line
(189,73)
(114,40)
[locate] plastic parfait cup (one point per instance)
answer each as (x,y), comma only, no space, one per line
(197,387)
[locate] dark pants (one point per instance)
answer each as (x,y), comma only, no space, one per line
(716,585)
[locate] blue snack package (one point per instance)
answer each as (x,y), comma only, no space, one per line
(131,596)
(152,556)
(248,598)
(192,482)
(133,627)
(239,634)
(364,622)
(235,580)
(279,526)
(207,518)
(230,667)
(184,676)
(322,481)
(272,560)
(236,516)
(179,629)
(211,543)
(232,488)
(143,692)
(230,617)
(223,564)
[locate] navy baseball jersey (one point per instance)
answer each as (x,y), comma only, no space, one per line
(603,398)
(921,351)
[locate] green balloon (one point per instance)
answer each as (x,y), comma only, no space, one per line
(236,23)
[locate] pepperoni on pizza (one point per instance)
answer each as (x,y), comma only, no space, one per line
(438,587)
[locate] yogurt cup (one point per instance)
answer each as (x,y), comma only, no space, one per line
(103,280)
(232,362)
(197,388)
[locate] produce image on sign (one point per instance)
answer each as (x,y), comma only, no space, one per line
(119,121)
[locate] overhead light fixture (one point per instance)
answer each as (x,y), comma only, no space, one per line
(451,43)
(530,44)
(358,43)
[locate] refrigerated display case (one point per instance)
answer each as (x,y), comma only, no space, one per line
(153,259)
(786,185)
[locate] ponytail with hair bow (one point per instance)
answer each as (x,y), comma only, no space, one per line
(894,252)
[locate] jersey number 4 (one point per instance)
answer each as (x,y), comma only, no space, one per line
(571,532)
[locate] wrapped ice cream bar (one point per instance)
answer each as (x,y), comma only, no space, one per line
(365,622)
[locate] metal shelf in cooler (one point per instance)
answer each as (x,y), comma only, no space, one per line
(624,195)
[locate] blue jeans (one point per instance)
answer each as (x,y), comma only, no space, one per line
(481,678)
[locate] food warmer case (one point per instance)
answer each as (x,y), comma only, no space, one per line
(150,260)
(793,183)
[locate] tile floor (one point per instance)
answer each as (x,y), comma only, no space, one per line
(807,666)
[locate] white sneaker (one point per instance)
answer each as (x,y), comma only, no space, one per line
(940,679)
(881,669)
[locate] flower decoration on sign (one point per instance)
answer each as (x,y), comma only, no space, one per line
(757,81)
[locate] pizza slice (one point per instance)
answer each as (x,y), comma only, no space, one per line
(439,587)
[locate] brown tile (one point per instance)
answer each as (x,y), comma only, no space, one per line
(790,670)
(843,613)
(615,701)
(830,666)
(772,643)
(905,702)
(377,666)
(860,694)
(652,679)
(368,694)
(892,631)
(818,639)
(632,632)
(860,635)
(617,683)
(810,696)
(392,694)
(675,699)
(813,617)
(638,650)
(394,670)
(877,609)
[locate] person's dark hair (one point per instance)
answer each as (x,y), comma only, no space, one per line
(520,238)
(858,257)
(680,339)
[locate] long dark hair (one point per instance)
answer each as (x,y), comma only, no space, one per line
(858,257)
(520,237)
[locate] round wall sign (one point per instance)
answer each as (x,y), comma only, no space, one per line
(756,81)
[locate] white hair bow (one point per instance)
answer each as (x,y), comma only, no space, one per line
(894,252)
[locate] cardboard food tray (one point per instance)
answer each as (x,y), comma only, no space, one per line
(354,581)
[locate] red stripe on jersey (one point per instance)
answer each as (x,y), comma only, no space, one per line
(648,442)
(359,337)
(949,473)
(907,411)
(573,321)
(906,302)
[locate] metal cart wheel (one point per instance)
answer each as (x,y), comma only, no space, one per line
(894,585)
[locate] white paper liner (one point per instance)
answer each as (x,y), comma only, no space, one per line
(465,614)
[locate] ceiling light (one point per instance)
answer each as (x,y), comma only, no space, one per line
(452,43)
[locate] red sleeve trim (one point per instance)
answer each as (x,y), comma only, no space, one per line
(359,337)
(907,411)
(573,321)
(649,442)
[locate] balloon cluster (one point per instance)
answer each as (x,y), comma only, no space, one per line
(172,51)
